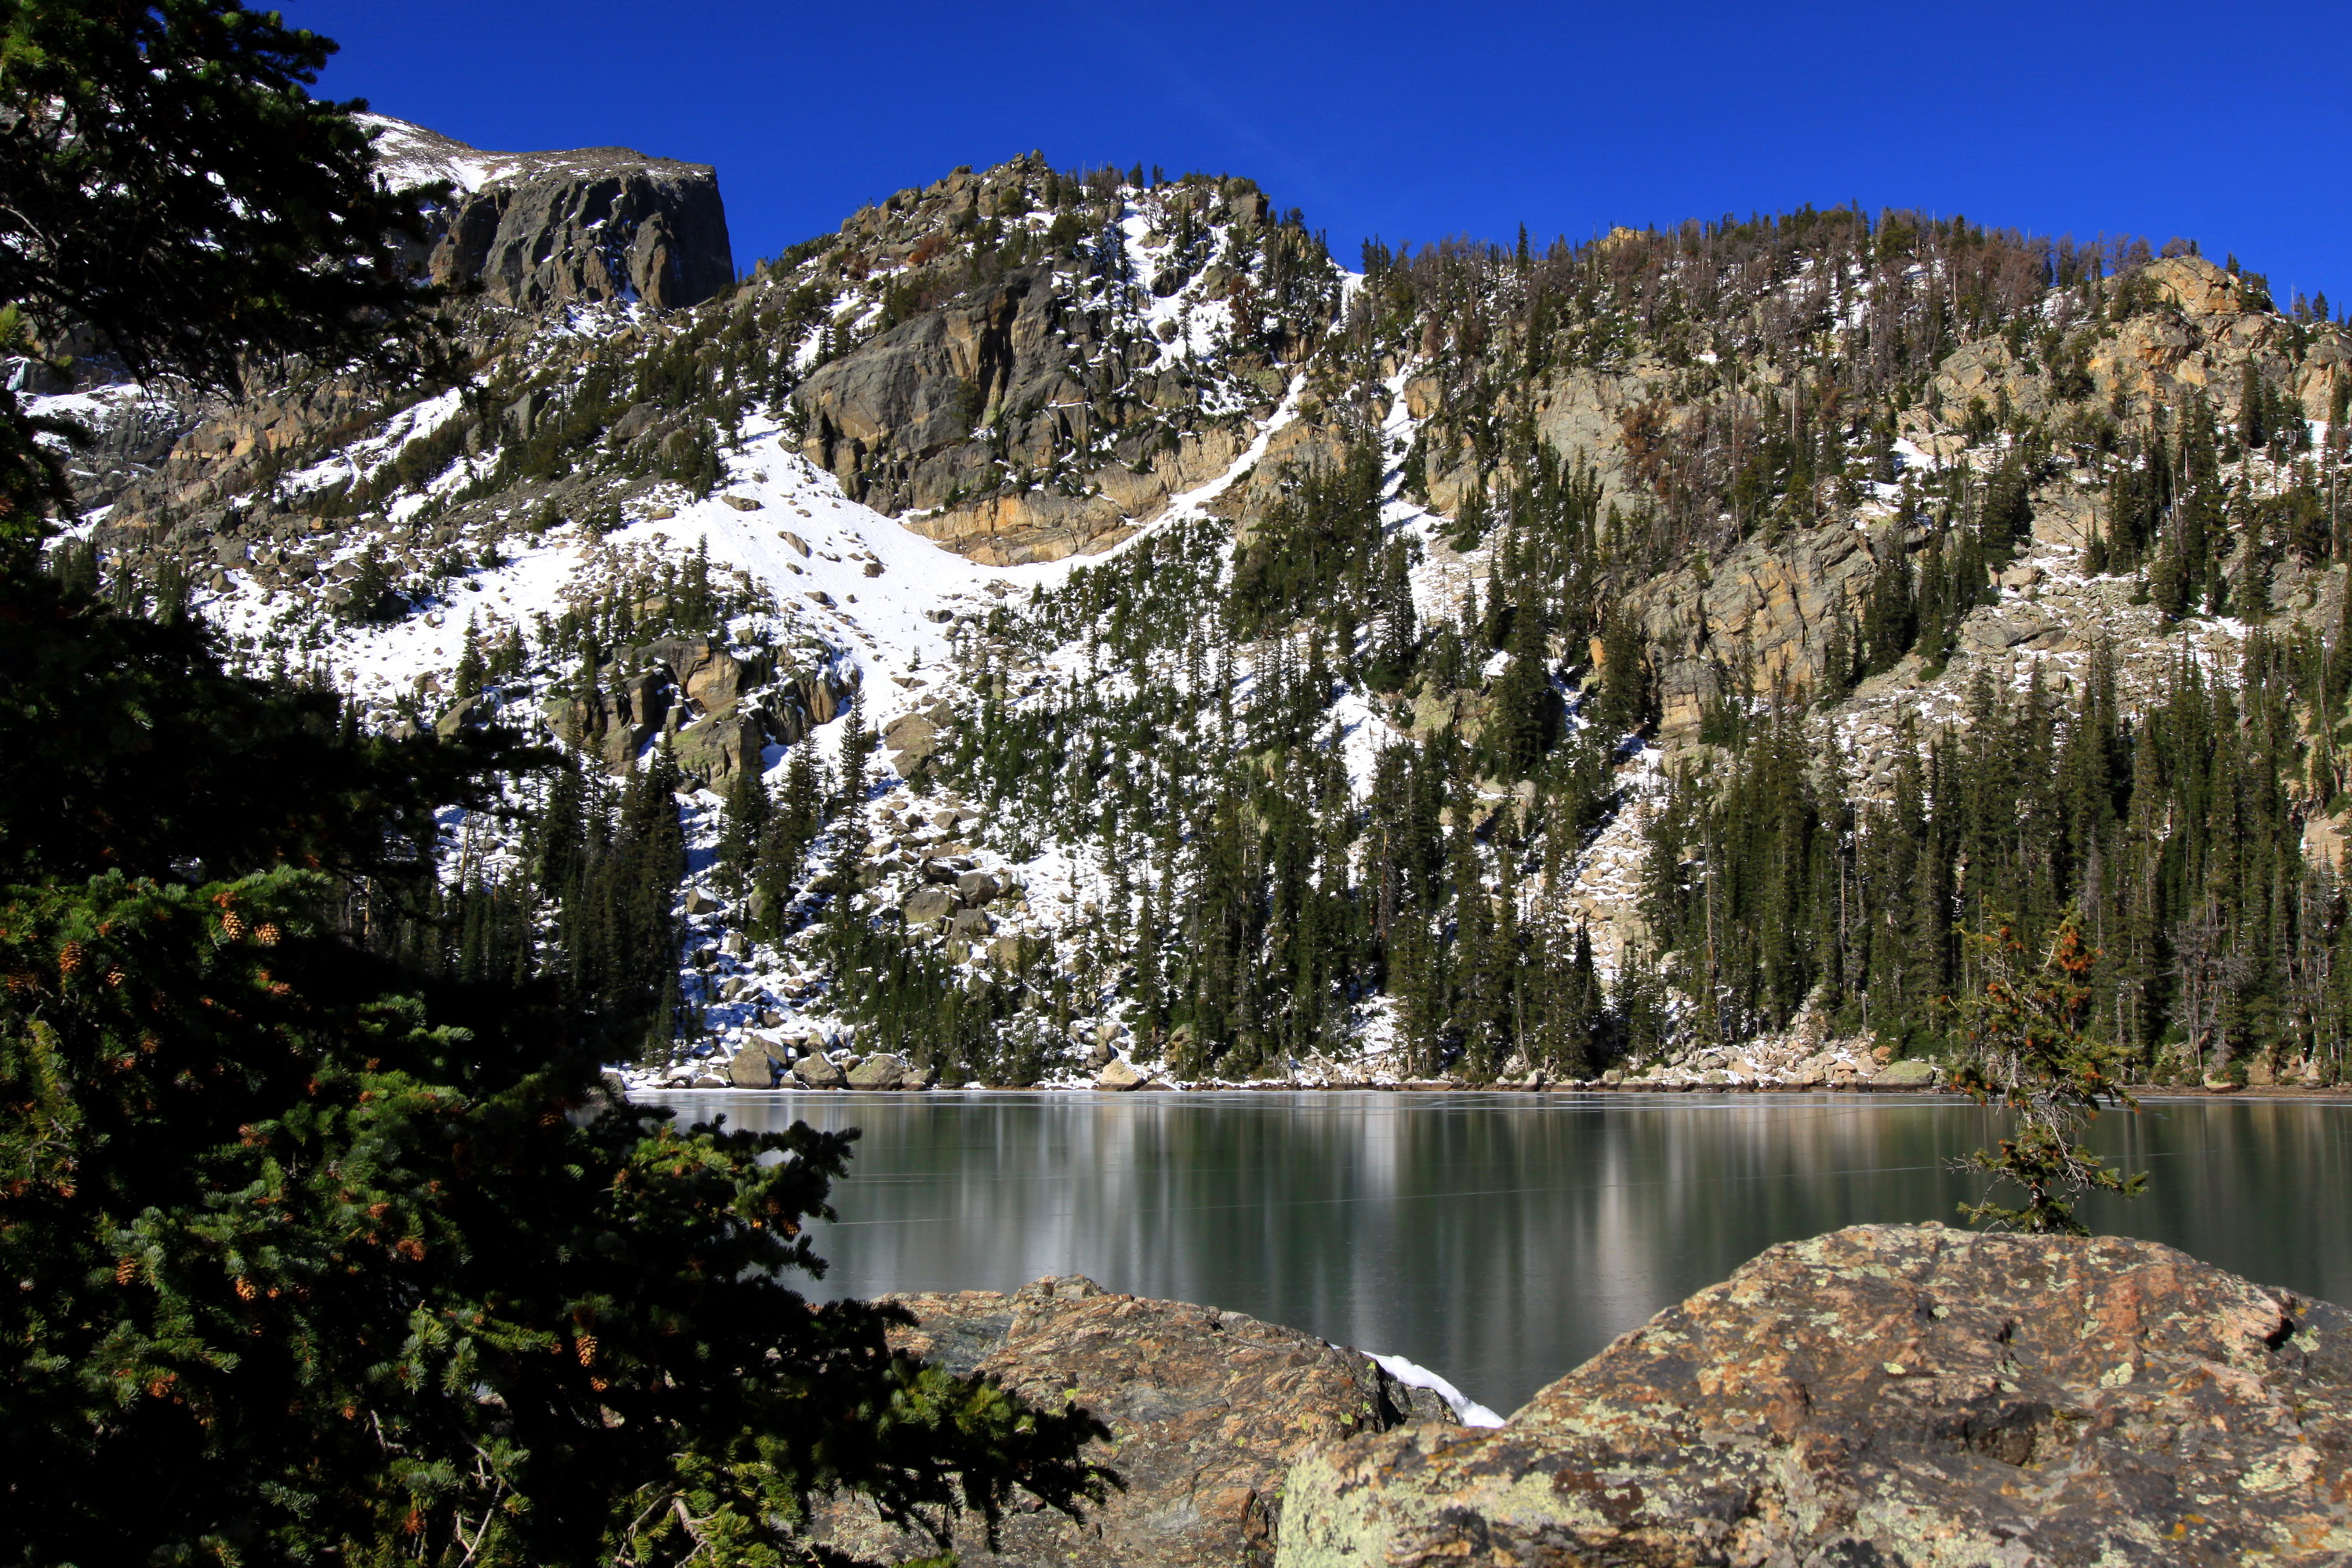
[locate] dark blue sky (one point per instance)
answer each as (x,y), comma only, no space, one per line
(2224,124)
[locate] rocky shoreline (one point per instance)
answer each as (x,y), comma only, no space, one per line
(1781,1065)
(1891,1395)
(897,1075)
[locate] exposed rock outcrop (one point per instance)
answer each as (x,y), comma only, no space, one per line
(542,230)
(715,752)
(898,422)
(1891,1395)
(2204,328)
(1043,400)
(724,727)
(538,232)
(1206,1410)
(1756,621)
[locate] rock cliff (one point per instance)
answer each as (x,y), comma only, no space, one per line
(1755,617)
(542,230)
(1016,402)
(528,234)
(1892,1396)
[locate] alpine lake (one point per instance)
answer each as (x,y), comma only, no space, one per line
(1498,1239)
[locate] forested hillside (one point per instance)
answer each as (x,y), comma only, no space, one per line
(1067,621)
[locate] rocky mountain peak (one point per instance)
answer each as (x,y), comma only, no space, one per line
(1022,364)
(539,231)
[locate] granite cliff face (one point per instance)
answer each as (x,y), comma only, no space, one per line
(1892,1396)
(528,235)
(1757,615)
(905,422)
(2203,328)
(539,231)
(1016,408)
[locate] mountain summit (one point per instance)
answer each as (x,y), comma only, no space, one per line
(539,230)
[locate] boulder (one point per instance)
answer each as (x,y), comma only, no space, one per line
(461,714)
(914,742)
(715,752)
(927,904)
(978,888)
(710,678)
(1206,1409)
(885,1069)
(817,1072)
(1891,1395)
(1119,1074)
(1906,1075)
(635,421)
(753,1067)
(1014,952)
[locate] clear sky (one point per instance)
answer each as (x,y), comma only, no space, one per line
(2227,124)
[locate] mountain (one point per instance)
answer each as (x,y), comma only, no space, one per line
(535,230)
(1156,645)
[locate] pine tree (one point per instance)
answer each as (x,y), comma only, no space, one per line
(1624,706)
(743,829)
(471,669)
(2029,1050)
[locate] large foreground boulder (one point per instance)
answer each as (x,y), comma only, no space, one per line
(1889,1396)
(1207,1409)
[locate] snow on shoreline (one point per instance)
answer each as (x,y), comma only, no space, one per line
(1412,1375)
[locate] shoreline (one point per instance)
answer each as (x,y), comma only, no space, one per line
(2283,1092)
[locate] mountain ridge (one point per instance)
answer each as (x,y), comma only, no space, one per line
(1121,515)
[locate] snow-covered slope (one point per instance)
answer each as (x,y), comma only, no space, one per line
(880,607)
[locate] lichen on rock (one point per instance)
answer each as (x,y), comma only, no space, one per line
(1891,1395)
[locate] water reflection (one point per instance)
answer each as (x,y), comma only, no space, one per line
(1499,1238)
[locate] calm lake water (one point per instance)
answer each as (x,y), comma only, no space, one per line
(1498,1239)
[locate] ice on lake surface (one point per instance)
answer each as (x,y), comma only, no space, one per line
(1496,1240)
